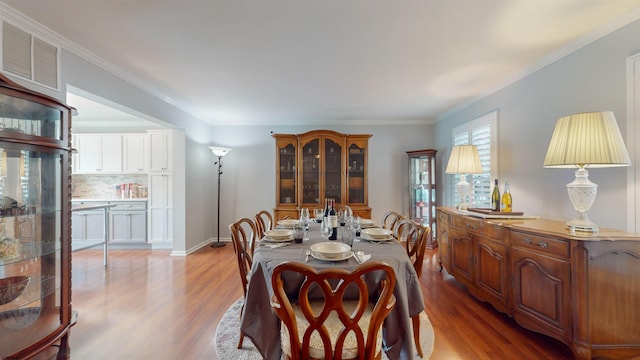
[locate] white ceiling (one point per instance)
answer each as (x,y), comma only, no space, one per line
(326,61)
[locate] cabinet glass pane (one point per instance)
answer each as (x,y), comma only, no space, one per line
(356,174)
(27,117)
(423,192)
(333,170)
(30,246)
(311,172)
(288,174)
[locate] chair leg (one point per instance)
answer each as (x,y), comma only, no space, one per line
(242,339)
(416,333)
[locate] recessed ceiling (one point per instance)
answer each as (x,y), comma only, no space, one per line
(322,62)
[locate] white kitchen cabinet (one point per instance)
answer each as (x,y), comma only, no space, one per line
(128,223)
(161,149)
(160,208)
(98,153)
(136,153)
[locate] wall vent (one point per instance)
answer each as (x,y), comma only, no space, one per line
(29,57)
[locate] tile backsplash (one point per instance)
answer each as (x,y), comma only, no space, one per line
(102,186)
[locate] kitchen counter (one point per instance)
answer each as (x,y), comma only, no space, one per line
(81,200)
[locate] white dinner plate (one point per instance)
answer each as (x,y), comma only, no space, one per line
(278,235)
(367,223)
(321,257)
(288,223)
(268,239)
(364,236)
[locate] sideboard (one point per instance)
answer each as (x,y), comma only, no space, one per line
(583,290)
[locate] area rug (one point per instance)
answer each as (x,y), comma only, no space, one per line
(228,334)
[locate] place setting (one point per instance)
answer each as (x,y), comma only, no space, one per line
(376,235)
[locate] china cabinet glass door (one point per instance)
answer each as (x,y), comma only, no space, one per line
(30,244)
(311,172)
(356,166)
(287,184)
(333,170)
(422,187)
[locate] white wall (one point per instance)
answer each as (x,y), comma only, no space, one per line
(590,79)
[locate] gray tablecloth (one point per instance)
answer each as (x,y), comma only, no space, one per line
(262,326)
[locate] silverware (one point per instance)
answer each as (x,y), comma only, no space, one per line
(306,259)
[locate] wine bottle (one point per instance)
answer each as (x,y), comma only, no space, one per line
(333,220)
(506,198)
(495,197)
(326,208)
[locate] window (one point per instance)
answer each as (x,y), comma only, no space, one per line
(481,132)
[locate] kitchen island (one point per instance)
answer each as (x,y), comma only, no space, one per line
(126,224)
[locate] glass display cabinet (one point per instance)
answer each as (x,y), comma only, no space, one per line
(318,170)
(422,190)
(35,230)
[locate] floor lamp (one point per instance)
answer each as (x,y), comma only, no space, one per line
(219,152)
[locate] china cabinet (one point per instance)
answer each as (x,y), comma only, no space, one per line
(35,230)
(580,289)
(422,190)
(319,165)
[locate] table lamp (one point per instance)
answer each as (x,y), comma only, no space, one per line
(464,160)
(585,140)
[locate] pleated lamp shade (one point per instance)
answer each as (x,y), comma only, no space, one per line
(464,159)
(591,138)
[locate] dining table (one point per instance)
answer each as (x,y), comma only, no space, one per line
(260,324)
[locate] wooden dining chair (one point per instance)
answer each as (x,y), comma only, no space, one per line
(415,238)
(243,236)
(329,326)
(390,221)
(264,222)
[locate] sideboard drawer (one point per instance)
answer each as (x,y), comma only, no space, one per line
(540,244)
(467,223)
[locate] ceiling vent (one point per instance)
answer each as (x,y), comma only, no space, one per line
(29,57)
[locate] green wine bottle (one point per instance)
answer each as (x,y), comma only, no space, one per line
(495,197)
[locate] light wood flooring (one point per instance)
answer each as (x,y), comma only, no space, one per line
(149,305)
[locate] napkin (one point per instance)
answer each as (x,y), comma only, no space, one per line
(361,258)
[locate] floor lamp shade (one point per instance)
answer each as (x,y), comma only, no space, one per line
(585,140)
(219,152)
(464,160)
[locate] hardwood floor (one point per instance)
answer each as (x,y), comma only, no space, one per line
(149,305)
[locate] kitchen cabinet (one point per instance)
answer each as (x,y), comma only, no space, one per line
(160,208)
(87,226)
(319,165)
(128,223)
(581,289)
(136,153)
(161,148)
(98,153)
(422,190)
(35,224)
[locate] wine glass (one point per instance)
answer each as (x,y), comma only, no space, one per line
(304,221)
(319,212)
(326,230)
